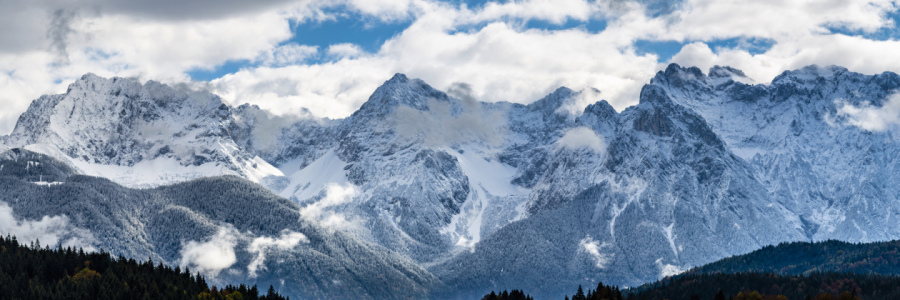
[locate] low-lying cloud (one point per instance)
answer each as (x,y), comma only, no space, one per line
(439,126)
(49,230)
(594,248)
(666,270)
(582,138)
(212,256)
(261,245)
(335,194)
(267,127)
(575,105)
(870,117)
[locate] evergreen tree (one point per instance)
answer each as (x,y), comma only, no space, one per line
(579,295)
(719,295)
(42,273)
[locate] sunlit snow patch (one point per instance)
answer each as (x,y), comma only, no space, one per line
(310,181)
(159,171)
(493,200)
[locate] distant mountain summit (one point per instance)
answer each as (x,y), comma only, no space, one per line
(542,197)
(841,180)
(138,134)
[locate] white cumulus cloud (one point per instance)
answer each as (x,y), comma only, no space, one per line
(287,54)
(344,50)
(490,46)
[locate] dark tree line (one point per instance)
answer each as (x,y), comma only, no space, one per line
(603,292)
(744,286)
(768,286)
(514,295)
(154,223)
(28,271)
(802,257)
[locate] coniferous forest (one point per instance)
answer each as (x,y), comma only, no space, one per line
(803,257)
(759,286)
(743,286)
(28,271)
(800,270)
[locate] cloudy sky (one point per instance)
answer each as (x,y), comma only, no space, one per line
(328,56)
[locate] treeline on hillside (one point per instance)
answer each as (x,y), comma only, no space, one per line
(504,295)
(603,292)
(758,286)
(802,257)
(32,272)
(748,286)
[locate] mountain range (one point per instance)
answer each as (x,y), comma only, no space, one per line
(457,197)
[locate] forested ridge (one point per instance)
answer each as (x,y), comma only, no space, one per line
(803,257)
(160,223)
(742,286)
(759,286)
(799,270)
(28,271)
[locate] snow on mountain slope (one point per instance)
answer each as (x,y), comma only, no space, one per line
(289,142)
(664,194)
(427,167)
(841,179)
(704,167)
(137,135)
(228,228)
(309,181)
(411,186)
(493,202)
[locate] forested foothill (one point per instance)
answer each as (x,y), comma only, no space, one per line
(28,271)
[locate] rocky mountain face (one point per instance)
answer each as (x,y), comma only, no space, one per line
(662,195)
(545,196)
(228,228)
(800,136)
(139,135)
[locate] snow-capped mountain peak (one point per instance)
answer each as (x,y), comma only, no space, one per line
(554,100)
(146,134)
(704,166)
(397,91)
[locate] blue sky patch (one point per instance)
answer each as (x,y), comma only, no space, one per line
(882,34)
(656,8)
(370,34)
(663,49)
(367,33)
(592,26)
(752,45)
(229,67)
